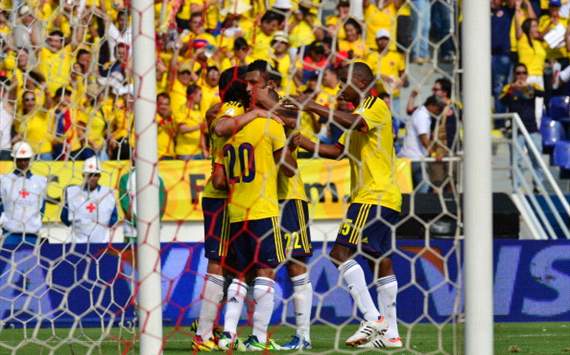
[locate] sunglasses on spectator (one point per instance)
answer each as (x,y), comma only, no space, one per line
(30,99)
(520,72)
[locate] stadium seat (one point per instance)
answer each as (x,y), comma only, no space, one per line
(552,132)
(559,107)
(562,154)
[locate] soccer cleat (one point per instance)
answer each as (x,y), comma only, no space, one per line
(252,344)
(382,342)
(229,342)
(198,344)
(367,331)
(297,343)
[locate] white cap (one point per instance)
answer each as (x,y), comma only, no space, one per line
(283,4)
(92,166)
(24,11)
(235,7)
(22,150)
(383,33)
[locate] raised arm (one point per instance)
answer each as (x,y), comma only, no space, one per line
(343,118)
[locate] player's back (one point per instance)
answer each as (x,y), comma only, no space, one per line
(251,170)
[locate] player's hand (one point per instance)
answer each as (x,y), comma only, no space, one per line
(261,113)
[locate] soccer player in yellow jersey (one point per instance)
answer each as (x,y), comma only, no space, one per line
(252,157)
(216,218)
(375,203)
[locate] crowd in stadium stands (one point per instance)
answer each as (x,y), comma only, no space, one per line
(530,57)
(67,80)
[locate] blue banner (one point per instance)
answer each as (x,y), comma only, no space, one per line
(64,284)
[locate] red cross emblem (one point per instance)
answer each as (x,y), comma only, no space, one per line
(91,207)
(24,193)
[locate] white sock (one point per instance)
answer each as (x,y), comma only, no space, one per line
(353,275)
(236,296)
(263,294)
(387,289)
(211,296)
(565,74)
(303,300)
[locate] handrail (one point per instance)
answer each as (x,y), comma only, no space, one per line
(519,128)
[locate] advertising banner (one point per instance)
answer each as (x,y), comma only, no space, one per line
(60,284)
(327,183)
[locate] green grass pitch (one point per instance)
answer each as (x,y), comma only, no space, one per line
(523,338)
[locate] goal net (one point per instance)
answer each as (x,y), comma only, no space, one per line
(69,191)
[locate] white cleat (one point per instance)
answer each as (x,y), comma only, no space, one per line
(382,342)
(367,331)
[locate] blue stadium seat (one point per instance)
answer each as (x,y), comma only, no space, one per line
(559,107)
(552,132)
(562,154)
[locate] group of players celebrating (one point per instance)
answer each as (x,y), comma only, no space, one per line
(256,211)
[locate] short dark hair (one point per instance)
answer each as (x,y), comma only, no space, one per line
(232,87)
(191,89)
(57,33)
(269,16)
(62,91)
(354,23)
(240,43)
(212,68)
(81,52)
(163,95)
(266,70)
(434,100)
(360,71)
(445,85)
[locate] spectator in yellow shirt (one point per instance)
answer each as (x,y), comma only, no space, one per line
(282,61)
(354,44)
(121,137)
(241,55)
(93,124)
(180,85)
(531,49)
(210,94)
(389,66)
(34,126)
(166,127)
(190,141)
(55,61)
(261,37)
(302,25)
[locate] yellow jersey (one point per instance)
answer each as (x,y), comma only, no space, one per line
(291,188)
(261,45)
(210,96)
(545,24)
(391,64)
(95,125)
(372,157)
(36,129)
(55,67)
(228,109)
(251,170)
(178,96)
(533,57)
(165,136)
(188,143)
(283,66)
(359,48)
(376,19)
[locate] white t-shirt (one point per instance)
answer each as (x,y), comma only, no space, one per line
(419,123)
(6,120)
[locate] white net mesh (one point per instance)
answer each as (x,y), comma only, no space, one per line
(68,250)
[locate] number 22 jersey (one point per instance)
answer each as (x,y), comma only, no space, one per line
(251,170)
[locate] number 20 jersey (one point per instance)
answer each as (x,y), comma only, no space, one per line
(251,170)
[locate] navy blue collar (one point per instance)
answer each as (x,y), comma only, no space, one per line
(19,173)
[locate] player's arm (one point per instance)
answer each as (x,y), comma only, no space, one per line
(219,177)
(329,151)
(343,118)
(228,126)
(284,158)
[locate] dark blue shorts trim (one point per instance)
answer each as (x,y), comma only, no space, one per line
(295,227)
(216,228)
(255,244)
(369,226)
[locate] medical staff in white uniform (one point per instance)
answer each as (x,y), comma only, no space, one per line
(90,209)
(22,202)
